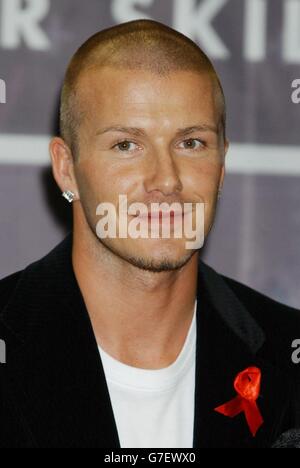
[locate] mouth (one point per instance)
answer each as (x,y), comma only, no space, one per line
(162,215)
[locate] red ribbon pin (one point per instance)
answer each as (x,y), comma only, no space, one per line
(247,385)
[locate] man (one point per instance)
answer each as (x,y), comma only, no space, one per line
(127,341)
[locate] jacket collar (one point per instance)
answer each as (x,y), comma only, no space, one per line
(57,378)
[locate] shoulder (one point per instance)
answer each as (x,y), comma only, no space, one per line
(264,309)
(280,324)
(8,286)
(38,276)
(267,312)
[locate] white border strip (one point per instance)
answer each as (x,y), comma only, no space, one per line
(263,159)
(241,158)
(24,149)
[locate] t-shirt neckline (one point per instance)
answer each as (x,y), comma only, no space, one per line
(123,375)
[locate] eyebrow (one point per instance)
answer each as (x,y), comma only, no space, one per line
(140,132)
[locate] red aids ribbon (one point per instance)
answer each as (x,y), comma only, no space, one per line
(247,385)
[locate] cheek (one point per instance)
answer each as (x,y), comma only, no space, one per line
(100,182)
(91,184)
(205,185)
(206,178)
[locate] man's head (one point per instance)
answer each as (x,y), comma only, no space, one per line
(142,114)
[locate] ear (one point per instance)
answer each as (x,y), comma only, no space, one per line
(63,166)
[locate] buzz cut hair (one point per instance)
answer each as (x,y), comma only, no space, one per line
(135,45)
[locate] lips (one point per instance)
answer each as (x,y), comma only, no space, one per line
(161,215)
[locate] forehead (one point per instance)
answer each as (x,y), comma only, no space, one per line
(107,92)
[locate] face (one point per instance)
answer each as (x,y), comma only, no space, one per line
(152,139)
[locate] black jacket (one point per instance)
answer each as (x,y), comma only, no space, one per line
(53,387)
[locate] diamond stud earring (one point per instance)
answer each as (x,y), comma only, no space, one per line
(68,195)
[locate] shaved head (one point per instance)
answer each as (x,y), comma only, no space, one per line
(136,45)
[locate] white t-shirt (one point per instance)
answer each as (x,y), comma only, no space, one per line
(154,408)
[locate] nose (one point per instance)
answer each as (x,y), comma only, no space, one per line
(162,175)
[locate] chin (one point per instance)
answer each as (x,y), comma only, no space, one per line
(154,255)
(157,265)
(160,256)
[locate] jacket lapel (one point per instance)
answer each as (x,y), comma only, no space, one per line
(54,370)
(229,341)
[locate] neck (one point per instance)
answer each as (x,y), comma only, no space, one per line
(139,317)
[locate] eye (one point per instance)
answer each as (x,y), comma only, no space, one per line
(125,145)
(192,143)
